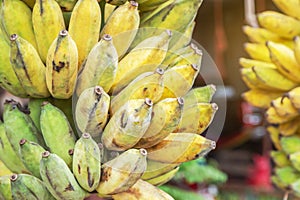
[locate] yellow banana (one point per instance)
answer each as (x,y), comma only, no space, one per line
(128,124)
(122,172)
(284,108)
(297,49)
(48,21)
(84,27)
(166,117)
(100,67)
(128,16)
(294,96)
(289,128)
(260,98)
(274,136)
(283,57)
(16,19)
(248,63)
(184,38)
(257,51)
(273,118)
(283,25)
(28,67)
(280,158)
(289,7)
(61,66)
(29,3)
(147,56)
(156,168)
(109,9)
(202,94)
(146,85)
(180,147)
(162,179)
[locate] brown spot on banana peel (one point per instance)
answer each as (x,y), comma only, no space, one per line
(90,178)
(123,122)
(106,174)
(22,141)
(69,188)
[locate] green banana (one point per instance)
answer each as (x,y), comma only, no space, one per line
(278,183)
(162,179)
(122,172)
(184,38)
(58,178)
(87,163)
(149,5)
(31,154)
(48,20)
(295,186)
(290,144)
(280,158)
(91,112)
(30,3)
(56,130)
(287,175)
(145,57)
(100,66)
(180,147)
(147,85)
(87,14)
(28,67)
(62,66)
(5,188)
(24,186)
(156,168)
(295,160)
(127,125)
(202,94)
(166,117)
(128,16)
(34,106)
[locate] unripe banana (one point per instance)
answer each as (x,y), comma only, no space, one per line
(257,51)
(31,154)
(87,163)
(295,160)
(128,124)
(180,147)
(121,173)
(5,188)
(166,117)
(91,112)
(34,106)
(29,3)
(147,85)
(58,178)
(295,186)
(4,169)
(278,183)
(28,67)
(202,94)
(56,131)
(184,38)
(100,67)
(128,16)
(62,66)
(174,56)
(48,20)
(290,144)
(280,158)
(287,175)
(84,27)
(24,186)
(156,168)
(289,7)
(164,178)
(260,98)
(149,5)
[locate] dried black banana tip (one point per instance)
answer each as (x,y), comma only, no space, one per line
(22,141)
(134,3)
(107,37)
(86,135)
(143,152)
(195,67)
(45,154)
(71,152)
(100,146)
(160,71)
(180,100)
(14,177)
(148,102)
(98,90)
(63,33)
(13,37)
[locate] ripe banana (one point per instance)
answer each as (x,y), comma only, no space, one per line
(147,85)
(289,7)
(184,38)
(274,136)
(257,51)
(56,130)
(128,124)
(162,179)
(145,57)
(248,63)
(296,49)
(5,188)
(280,158)
(91,112)
(31,154)
(24,186)
(260,98)
(290,127)
(108,10)
(58,178)
(62,66)
(290,144)
(87,163)
(149,5)
(100,66)
(121,173)
(193,57)
(284,108)
(48,21)
(180,147)
(202,94)
(166,117)
(156,168)
(294,96)
(28,67)
(174,56)
(273,118)
(295,160)
(84,27)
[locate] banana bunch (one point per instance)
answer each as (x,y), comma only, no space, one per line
(110,105)
(272,75)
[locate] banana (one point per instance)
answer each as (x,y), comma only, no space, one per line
(142,190)
(91,112)
(84,27)
(294,96)
(274,136)
(202,113)
(31,154)
(149,5)
(147,85)
(29,3)
(28,67)
(4,169)
(5,188)
(283,57)
(295,186)
(156,169)
(287,175)
(8,155)
(248,63)
(280,158)
(66,5)
(56,130)
(289,128)
(184,38)
(120,173)
(58,178)
(290,144)
(296,49)
(116,2)
(257,51)
(162,179)
(87,163)
(283,25)
(179,80)
(145,57)
(100,67)
(193,57)
(175,56)
(16,19)
(128,16)
(48,21)
(166,117)
(180,147)
(278,183)
(128,124)
(34,106)
(273,118)
(202,94)
(62,66)
(289,7)
(283,107)
(260,98)
(24,186)
(295,160)
(108,10)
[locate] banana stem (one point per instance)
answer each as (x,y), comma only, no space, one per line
(102,7)
(286,196)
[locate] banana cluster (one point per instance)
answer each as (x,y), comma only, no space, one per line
(272,75)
